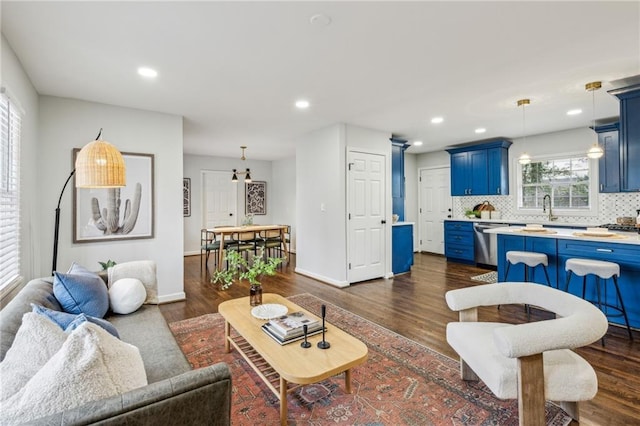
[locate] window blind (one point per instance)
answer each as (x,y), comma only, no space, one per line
(10,123)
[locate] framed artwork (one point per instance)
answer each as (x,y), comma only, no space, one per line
(186,197)
(108,214)
(256,193)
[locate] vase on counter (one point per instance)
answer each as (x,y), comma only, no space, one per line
(255,294)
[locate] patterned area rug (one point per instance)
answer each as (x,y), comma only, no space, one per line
(489,277)
(402,382)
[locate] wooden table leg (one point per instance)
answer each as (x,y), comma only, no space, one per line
(283,243)
(221,252)
(347,381)
(283,401)
(227,334)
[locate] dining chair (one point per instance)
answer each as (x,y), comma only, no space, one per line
(208,244)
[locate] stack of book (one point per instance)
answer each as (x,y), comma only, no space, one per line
(289,328)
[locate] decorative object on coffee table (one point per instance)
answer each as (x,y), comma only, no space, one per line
(323,344)
(239,268)
(306,344)
(269,311)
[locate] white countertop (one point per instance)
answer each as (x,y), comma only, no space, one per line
(520,222)
(567,233)
(402,223)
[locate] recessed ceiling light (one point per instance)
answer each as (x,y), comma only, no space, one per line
(480,130)
(320,20)
(574,112)
(302,104)
(417,143)
(147,72)
(437,120)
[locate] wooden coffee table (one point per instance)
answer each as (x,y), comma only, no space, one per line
(285,368)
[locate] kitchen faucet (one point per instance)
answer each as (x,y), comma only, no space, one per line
(544,207)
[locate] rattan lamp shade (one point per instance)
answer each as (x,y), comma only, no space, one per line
(100,165)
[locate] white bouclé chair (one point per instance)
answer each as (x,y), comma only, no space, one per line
(532,362)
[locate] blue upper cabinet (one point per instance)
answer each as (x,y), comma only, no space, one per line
(609,163)
(480,169)
(628,92)
(398,146)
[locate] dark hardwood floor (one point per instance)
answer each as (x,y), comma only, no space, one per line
(413,305)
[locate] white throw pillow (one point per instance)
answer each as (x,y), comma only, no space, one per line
(144,270)
(126,295)
(36,341)
(90,365)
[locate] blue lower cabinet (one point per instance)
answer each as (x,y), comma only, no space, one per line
(401,248)
(458,241)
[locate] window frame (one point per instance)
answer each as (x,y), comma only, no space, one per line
(593,186)
(12,112)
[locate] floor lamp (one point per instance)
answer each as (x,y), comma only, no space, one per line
(98,165)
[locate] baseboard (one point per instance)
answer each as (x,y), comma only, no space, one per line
(174,297)
(335,283)
(192,253)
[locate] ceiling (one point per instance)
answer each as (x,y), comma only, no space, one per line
(235,69)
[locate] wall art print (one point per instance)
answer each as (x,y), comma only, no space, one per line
(256,193)
(186,197)
(107,214)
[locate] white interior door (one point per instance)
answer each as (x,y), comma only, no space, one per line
(366,204)
(219,199)
(435,207)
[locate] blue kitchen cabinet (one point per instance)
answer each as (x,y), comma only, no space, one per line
(401,247)
(480,169)
(398,146)
(498,171)
(458,241)
(609,163)
(547,246)
(629,96)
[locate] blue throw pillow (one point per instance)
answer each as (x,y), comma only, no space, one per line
(81,294)
(69,322)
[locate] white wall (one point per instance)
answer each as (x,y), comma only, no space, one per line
(283,196)
(321,181)
(66,124)
(194,165)
(22,92)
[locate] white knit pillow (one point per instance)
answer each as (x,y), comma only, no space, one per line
(36,341)
(91,365)
(126,295)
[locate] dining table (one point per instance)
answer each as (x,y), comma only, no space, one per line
(224,232)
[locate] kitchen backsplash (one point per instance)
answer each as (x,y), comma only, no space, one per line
(611,206)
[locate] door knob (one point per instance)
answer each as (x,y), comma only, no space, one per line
(449,216)
(383,221)
(230,214)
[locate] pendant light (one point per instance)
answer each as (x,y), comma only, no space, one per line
(596,150)
(246,173)
(524,157)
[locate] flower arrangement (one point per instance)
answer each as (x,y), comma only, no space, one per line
(240,268)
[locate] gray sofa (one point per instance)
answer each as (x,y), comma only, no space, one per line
(175,393)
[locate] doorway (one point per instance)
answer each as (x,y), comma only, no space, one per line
(219,199)
(435,207)
(366,193)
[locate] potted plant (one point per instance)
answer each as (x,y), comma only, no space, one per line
(239,268)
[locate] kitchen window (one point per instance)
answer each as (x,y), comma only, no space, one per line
(568,180)
(10,123)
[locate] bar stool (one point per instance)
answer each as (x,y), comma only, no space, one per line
(530,259)
(603,271)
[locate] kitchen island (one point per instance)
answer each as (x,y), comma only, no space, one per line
(561,244)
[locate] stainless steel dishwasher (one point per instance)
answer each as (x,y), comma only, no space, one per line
(486,245)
